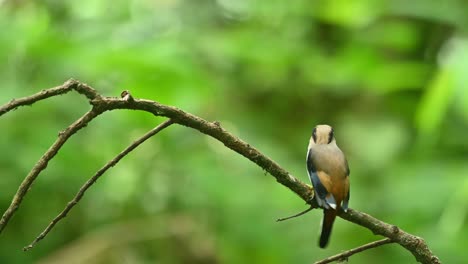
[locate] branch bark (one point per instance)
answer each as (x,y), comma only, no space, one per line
(101,104)
(345,255)
(93,179)
(43,162)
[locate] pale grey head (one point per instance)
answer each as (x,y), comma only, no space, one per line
(322,135)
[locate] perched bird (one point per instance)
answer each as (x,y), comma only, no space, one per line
(329,173)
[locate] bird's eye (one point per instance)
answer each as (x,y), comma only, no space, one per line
(330,136)
(314,134)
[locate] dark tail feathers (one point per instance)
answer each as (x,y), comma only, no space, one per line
(327,224)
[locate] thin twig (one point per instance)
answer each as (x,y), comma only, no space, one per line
(42,163)
(345,255)
(296,215)
(93,179)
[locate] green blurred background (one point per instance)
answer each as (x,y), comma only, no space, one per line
(390,76)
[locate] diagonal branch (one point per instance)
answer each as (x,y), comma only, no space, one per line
(96,176)
(215,130)
(414,244)
(42,163)
(345,255)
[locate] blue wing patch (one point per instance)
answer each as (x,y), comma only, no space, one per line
(320,190)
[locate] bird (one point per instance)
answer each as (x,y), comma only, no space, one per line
(329,173)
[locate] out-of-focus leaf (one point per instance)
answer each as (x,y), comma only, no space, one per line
(435,102)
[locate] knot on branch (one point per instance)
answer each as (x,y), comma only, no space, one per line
(126,95)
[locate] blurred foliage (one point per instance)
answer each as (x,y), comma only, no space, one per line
(390,76)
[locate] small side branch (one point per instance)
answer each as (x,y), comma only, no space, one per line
(296,215)
(93,179)
(44,94)
(68,86)
(345,255)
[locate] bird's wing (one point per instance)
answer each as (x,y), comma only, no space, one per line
(346,199)
(319,188)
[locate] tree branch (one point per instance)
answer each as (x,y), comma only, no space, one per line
(43,162)
(68,86)
(345,255)
(100,104)
(416,245)
(93,179)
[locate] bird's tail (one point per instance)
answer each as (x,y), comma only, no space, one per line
(329,216)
